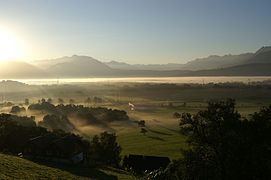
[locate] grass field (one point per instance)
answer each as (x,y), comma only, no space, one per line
(12,167)
(157,142)
(152,104)
(163,137)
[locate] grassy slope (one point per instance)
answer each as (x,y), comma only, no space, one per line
(157,142)
(162,139)
(17,168)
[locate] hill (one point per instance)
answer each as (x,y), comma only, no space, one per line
(263,55)
(78,66)
(13,86)
(12,167)
(258,64)
(248,64)
(20,70)
(215,62)
(151,67)
(255,69)
(210,62)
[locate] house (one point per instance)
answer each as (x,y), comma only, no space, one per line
(67,149)
(140,163)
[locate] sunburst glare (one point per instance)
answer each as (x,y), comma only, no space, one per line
(10,46)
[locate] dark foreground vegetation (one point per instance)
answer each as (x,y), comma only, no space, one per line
(35,142)
(223,145)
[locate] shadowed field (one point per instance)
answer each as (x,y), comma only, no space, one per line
(16,168)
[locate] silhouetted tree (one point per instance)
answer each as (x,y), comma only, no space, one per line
(60,101)
(105,150)
(88,101)
(72,101)
(17,109)
(26,101)
(14,136)
(141,123)
(176,115)
(143,131)
(54,122)
(97,100)
(223,145)
(49,100)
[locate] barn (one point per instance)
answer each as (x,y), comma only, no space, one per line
(140,163)
(66,149)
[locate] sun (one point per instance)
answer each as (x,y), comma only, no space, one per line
(9,46)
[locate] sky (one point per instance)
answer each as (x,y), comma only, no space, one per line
(137,31)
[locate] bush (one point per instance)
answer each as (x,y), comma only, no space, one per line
(17,109)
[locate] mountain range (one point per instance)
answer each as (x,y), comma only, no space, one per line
(211,62)
(247,64)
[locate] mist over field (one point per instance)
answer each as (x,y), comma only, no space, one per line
(134,89)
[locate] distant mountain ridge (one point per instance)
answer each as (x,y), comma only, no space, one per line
(210,62)
(157,67)
(84,66)
(21,70)
(254,64)
(215,62)
(263,55)
(252,69)
(79,66)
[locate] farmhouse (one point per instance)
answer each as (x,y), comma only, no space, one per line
(140,163)
(67,149)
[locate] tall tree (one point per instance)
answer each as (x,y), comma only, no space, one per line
(223,145)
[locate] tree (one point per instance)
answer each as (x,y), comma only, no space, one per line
(54,122)
(43,100)
(26,101)
(105,150)
(49,100)
(88,101)
(176,115)
(141,123)
(97,100)
(60,101)
(17,109)
(225,146)
(13,136)
(143,131)
(72,101)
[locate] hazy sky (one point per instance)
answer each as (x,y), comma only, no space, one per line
(138,31)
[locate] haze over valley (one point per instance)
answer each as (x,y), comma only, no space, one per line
(135,90)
